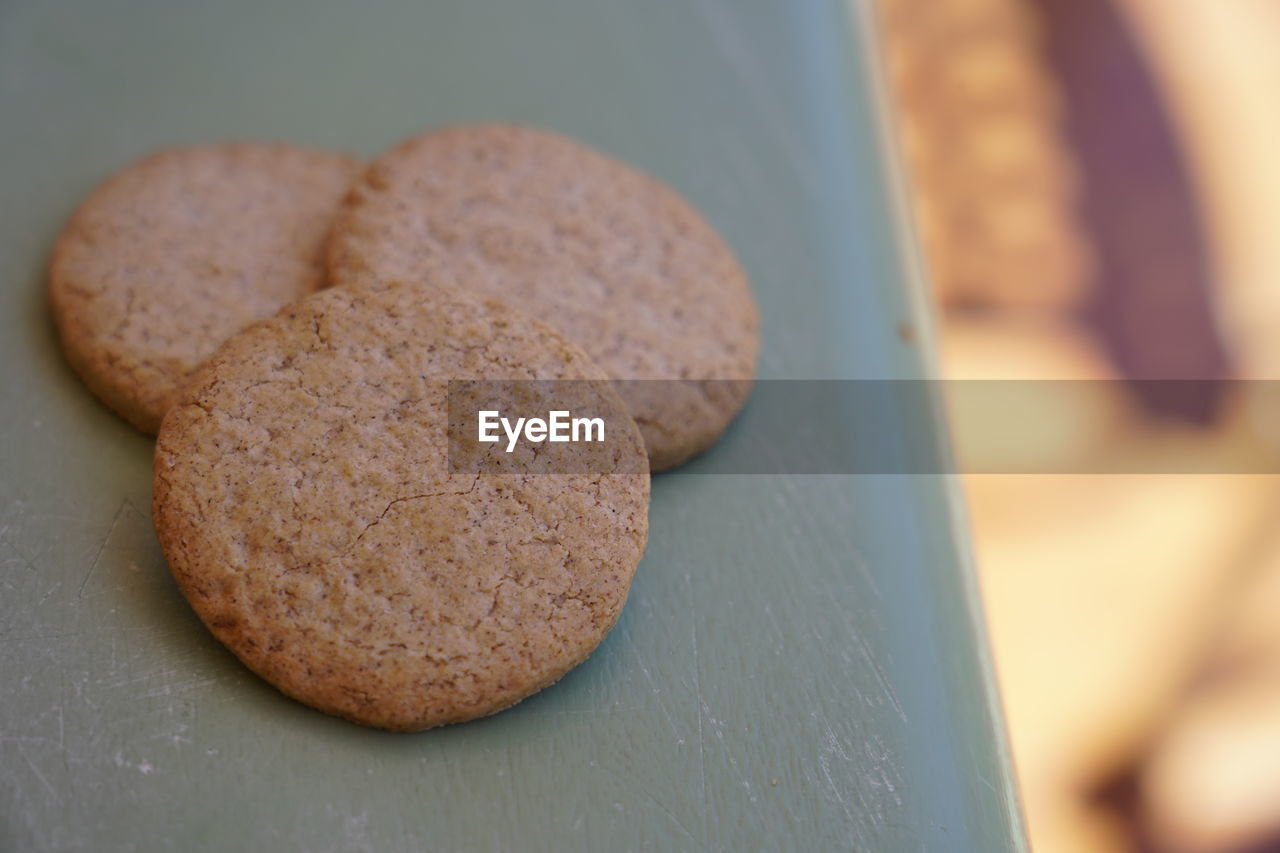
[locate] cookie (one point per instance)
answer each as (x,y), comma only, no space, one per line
(305,503)
(181,250)
(611,258)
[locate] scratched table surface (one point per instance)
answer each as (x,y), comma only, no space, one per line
(798,666)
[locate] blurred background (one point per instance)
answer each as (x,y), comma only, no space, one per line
(1097,188)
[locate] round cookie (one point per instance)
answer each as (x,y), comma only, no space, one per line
(167,259)
(306,505)
(611,258)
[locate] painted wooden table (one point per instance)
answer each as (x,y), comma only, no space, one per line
(799,665)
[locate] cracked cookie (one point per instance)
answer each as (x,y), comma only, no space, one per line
(611,258)
(305,502)
(170,257)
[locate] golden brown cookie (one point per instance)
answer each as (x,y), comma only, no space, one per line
(613,259)
(181,250)
(305,503)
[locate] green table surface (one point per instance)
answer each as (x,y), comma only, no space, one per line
(801,663)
